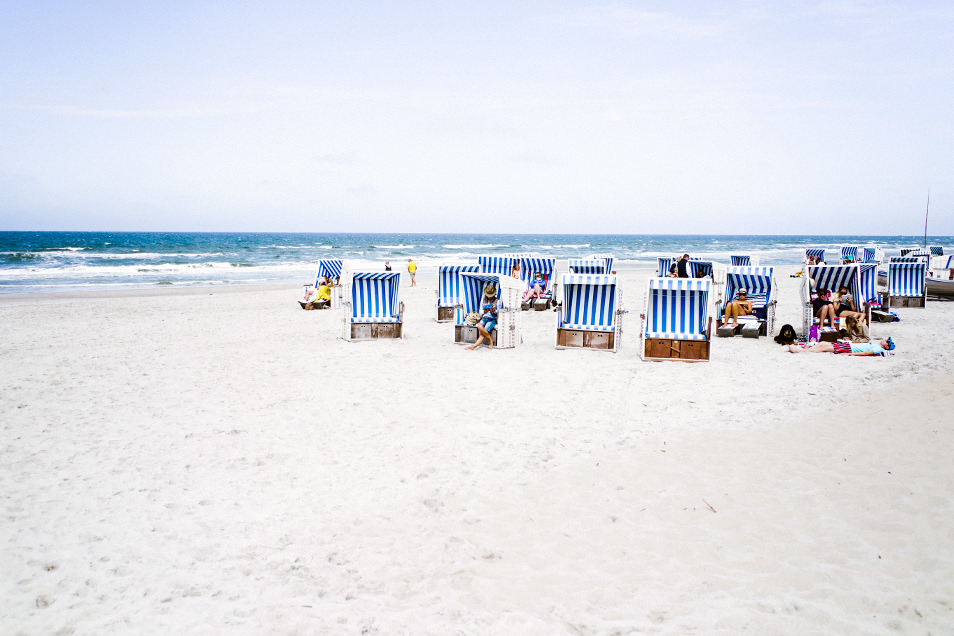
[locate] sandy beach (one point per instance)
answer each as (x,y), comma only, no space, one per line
(218,461)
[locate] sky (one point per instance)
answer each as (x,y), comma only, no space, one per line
(535,116)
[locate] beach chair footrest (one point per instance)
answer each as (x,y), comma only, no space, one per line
(541,305)
(727,331)
(751,329)
(882,316)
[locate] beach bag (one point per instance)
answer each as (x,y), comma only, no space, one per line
(813,334)
(472,318)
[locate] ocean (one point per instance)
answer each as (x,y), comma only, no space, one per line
(32,262)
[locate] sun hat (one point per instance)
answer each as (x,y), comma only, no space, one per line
(490,290)
(743,290)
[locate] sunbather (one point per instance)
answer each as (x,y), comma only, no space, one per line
(741,306)
(850,348)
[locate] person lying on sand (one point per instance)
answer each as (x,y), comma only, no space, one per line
(850,348)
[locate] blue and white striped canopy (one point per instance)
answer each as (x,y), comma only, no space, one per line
(700,268)
(374,297)
(906,279)
(868,255)
(496,264)
(589,301)
(530,266)
(907,250)
(936,250)
(817,252)
(587,266)
(328,267)
(757,281)
(448,283)
(740,260)
(663,263)
(868,285)
(607,260)
(832,277)
(849,251)
(907,259)
(472,285)
(677,308)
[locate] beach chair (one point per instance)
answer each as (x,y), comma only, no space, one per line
(448,291)
(529,267)
(907,284)
(849,252)
(502,265)
(509,290)
(663,263)
(332,269)
(590,313)
(868,255)
(372,309)
(586,266)
(759,283)
(936,250)
(831,278)
(868,285)
(817,252)
(676,321)
(607,260)
(701,269)
(743,260)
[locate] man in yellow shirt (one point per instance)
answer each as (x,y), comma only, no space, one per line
(412,270)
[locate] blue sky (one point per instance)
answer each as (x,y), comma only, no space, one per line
(621,117)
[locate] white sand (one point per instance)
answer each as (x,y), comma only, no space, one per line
(221,463)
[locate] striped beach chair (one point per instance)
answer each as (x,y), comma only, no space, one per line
(701,269)
(868,285)
(849,252)
(502,265)
(529,266)
(509,290)
(907,284)
(333,270)
(868,255)
(936,250)
(817,252)
(586,266)
(759,283)
(676,322)
(448,291)
(663,263)
(743,260)
(606,258)
(831,278)
(372,308)
(590,314)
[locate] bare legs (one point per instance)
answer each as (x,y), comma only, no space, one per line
(482,333)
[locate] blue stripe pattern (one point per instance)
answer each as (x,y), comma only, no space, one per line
(936,250)
(374,297)
(448,283)
(817,252)
(496,264)
(831,277)
(906,279)
(740,260)
(868,255)
(607,260)
(586,266)
(757,281)
(700,269)
(950,263)
(677,308)
(589,302)
(530,266)
(328,267)
(472,286)
(868,284)
(663,263)
(849,251)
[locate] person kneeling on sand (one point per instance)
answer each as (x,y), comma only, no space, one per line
(488,317)
(855,331)
(850,348)
(741,306)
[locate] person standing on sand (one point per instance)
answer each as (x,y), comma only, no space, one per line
(412,270)
(387,266)
(682,267)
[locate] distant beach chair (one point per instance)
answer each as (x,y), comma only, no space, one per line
(590,314)
(586,266)
(907,284)
(850,252)
(701,268)
(743,260)
(676,321)
(830,278)
(936,250)
(529,267)
(868,255)
(868,285)
(817,253)
(759,283)
(607,260)
(507,335)
(502,265)
(449,302)
(372,309)
(332,269)
(663,263)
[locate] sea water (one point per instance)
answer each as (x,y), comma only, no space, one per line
(61,261)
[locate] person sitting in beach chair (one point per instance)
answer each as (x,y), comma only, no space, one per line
(488,317)
(849,348)
(844,305)
(741,306)
(319,298)
(537,288)
(310,295)
(822,308)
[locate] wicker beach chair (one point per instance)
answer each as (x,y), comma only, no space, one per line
(590,313)
(676,321)
(907,283)
(759,283)
(529,267)
(507,335)
(586,266)
(372,308)
(830,277)
(449,302)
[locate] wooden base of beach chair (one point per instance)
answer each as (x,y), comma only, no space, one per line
(905,301)
(667,349)
(580,339)
(751,329)
(445,314)
(375,331)
(727,331)
(465,334)
(541,305)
